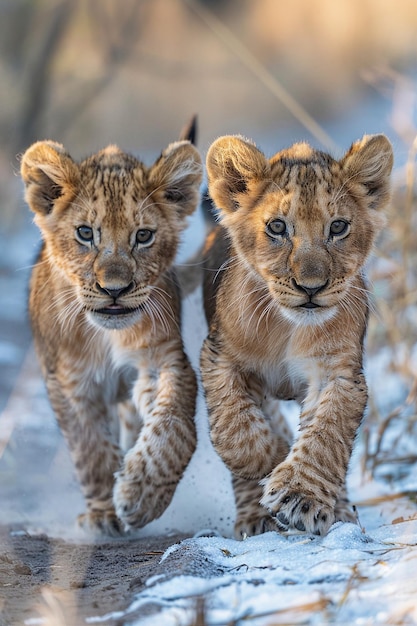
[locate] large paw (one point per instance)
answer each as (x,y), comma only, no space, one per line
(140,499)
(297,506)
(103,522)
(254,522)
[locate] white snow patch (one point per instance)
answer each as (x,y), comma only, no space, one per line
(347,577)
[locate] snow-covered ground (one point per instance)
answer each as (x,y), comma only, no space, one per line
(348,577)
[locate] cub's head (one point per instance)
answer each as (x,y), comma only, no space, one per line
(302,222)
(111,225)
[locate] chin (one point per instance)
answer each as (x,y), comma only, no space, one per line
(112,321)
(308,317)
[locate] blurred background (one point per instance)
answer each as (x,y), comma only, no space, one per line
(91,72)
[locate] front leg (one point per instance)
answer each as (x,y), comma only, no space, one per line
(165,395)
(240,430)
(89,427)
(305,492)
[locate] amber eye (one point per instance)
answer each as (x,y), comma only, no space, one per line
(276,228)
(145,237)
(85,233)
(339,227)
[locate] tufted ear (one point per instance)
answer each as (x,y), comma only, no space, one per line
(179,172)
(369,162)
(49,173)
(234,166)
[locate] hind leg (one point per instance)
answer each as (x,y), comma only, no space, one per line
(251,517)
(130,424)
(344,511)
(271,409)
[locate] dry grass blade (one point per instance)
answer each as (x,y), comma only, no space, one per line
(377,457)
(395,331)
(199,618)
(262,73)
(293,615)
(298,614)
(376,501)
(354,580)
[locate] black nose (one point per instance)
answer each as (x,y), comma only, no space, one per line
(310,291)
(115,292)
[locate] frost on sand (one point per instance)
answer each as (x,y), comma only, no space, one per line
(347,577)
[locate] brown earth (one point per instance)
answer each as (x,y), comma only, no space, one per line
(64,583)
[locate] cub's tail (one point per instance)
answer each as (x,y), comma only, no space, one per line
(189,131)
(189,274)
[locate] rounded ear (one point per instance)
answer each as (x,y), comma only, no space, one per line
(49,173)
(179,172)
(369,162)
(233,163)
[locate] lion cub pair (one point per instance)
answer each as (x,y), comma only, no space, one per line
(286,305)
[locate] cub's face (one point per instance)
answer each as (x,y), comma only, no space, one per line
(301,221)
(111,225)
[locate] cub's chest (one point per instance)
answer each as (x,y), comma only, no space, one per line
(286,366)
(289,379)
(99,370)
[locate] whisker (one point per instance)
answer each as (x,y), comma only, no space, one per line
(265,298)
(228,263)
(265,314)
(142,206)
(93,333)
(30,267)
(68,315)
(159,309)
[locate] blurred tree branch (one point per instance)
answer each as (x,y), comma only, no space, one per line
(115,27)
(39,74)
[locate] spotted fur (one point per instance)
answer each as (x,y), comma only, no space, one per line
(287,307)
(105,310)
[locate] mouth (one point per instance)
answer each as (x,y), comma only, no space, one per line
(116,309)
(309,306)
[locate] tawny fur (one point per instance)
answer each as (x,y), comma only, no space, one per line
(105,310)
(287,307)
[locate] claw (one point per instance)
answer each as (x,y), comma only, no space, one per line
(300,525)
(282,521)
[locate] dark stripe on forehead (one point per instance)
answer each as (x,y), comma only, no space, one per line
(112,158)
(300,155)
(110,170)
(288,159)
(306,173)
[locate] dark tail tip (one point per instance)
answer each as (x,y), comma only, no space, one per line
(189,131)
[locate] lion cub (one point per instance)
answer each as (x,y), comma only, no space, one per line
(105,312)
(287,309)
